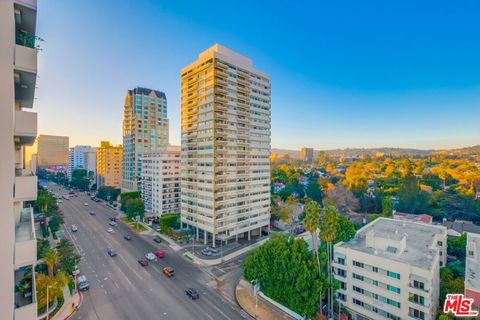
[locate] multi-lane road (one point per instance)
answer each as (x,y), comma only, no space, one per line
(122,289)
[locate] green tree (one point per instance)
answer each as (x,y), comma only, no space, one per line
(411,199)
(42,246)
(286,271)
(125,196)
(135,207)
(80,179)
(387,207)
(50,258)
(108,193)
(314,191)
(68,259)
(55,283)
(169,221)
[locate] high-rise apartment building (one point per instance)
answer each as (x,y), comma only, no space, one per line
(225,146)
(18,128)
(109,165)
(145,129)
(306,154)
(52,151)
(76,158)
(391,270)
(90,161)
(161,181)
(472,269)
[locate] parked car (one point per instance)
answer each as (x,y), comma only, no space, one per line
(157,229)
(168,271)
(127,237)
(157,239)
(111,252)
(192,293)
(92,213)
(211,249)
(97,200)
(82,283)
(85,204)
(143,262)
(110,230)
(113,219)
(159,254)
(60,201)
(206,252)
(150,256)
(76,271)
(74,228)
(113,223)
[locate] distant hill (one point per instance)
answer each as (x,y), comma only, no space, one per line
(357,152)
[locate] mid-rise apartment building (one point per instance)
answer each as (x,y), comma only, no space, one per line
(76,158)
(18,185)
(472,269)
(161,181)
(52,152)
(306,155)
(90,161)
(145,129)
(225,121)
(109,165)
(391,270)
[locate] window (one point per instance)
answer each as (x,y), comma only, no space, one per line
(393,303)
(375,282)
(417,314)
(359,290)
(394,275)
(418,299)
(440,243)
(357,302)
(341,272)
(418,284)
(393,289)
(391,249)
(341,261)
(470,253)
(375,269)
(357,264)
(358,277)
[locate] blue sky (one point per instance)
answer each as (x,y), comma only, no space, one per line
(343,73)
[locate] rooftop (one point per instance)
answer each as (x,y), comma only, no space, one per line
(415,241)
(472,268)
(146,91)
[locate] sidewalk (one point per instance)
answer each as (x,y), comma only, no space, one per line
(264,310)
(66,311)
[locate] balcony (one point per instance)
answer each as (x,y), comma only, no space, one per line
(24,88)
(25,58)
(25,127)
(32,4)
(25,187)
(25,239)
(25,298)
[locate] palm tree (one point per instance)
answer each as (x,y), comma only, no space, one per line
(55,285)
(287,210)
(329,221)
(311,224)
(50,258)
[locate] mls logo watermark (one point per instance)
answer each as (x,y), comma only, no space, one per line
(459,305)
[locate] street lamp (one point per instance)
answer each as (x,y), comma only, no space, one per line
(256,288)
(47,301)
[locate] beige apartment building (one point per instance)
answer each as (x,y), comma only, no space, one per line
(161,181)
(472,269)
(52,151)
(306,155)
(391,270)
(225,121)
(109,165)
(18,185)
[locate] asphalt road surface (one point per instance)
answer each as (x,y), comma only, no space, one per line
(120,288)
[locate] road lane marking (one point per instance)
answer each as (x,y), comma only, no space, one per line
(128,265)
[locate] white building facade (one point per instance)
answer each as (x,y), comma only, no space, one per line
(472,269)
(226,126)
(161,181)
(391,270)
(18,184)
(76,158)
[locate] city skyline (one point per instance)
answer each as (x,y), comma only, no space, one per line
(433,87)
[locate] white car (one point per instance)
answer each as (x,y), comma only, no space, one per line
(74,228)
(60,201)
(113,223)
(110,230)
(85,204)
(150,256)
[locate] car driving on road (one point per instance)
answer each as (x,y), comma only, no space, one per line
(168,271)
(143,262)
(111,252)
(74,228)
(127,237)
(150,256)
(85,204)
(92,213)
(113,223)
(192,293)
(159,254)
(110,230)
